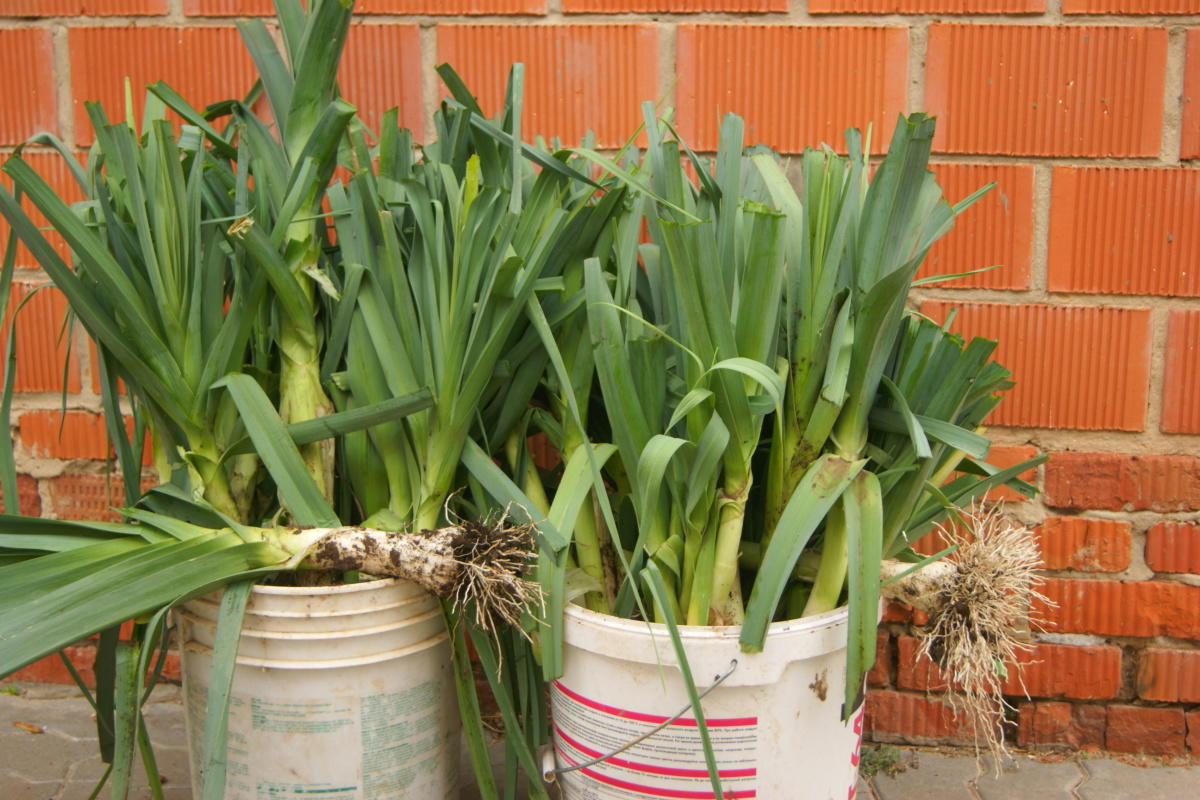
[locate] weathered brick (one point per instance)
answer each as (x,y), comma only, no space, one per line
(1193,731)
(50,434)
(1059,356)
(1119,608)
(1129,6)
(895,611)
(1173,547)
(1048,670)
(41,344)
(1046,90)
(381,69)
(27,105)
(29,502)
(259,8)
(1181,381)
(838,78)
(1150,243)
(85,497)
(996,230)
(203,64)
(1082,727)
(51,669)
(57,173)
(916,718)
(881,673)
(1153,731)
(944,7)
(228,8)
(577,77)
(1189,144)
(673,6)
(1086,545)
(81,8)
(1172,676)
(1113,481)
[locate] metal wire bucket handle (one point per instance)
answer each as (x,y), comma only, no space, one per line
(550,769)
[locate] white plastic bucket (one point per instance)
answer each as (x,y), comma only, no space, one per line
(342,693)
(775,721)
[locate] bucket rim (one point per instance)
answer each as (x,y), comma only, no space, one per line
(320,635)
(321,591)
(707,633)
(277,613)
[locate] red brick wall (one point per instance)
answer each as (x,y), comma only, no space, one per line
(1083,110)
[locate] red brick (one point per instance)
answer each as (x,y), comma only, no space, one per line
(83,657)
(41,346)
(27,105)
(48,434)
(86,497)
(1004,457)
(1087,545)
(1153,731)
(204,65)
(1172,676)
(673,6)
(1181,382)
(1082,727)
(56,172)
(1189,144)
(1049,670)
(1059,356)
(381,69)
(81,8)
(1130,7)
(29,502)
(996,230)
(447,7)
(1114,481)
(916,718)
(577,77)
(1193,732)
(1046,90)
(837,78)
(895,611)
(881,673)
(1150,243)
(1119,608)
(926,6)
(259,8)
(1173,547)
(228,8)
(51,669)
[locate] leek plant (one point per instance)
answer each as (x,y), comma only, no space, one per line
(762,333)
(206,273)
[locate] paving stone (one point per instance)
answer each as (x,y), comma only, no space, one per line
(70,718)
(79,790)
(166,725)
(39,757)
(864,790)
(1115,780)
(172,764)
(930,775)
(1025,778)
(12,788)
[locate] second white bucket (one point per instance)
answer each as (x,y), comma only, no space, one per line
(774,722)
(342,693)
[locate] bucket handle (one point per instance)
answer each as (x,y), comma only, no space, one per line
(550,771)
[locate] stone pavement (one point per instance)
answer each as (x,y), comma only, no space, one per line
(60,761)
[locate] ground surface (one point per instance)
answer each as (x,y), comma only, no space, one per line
(48,752)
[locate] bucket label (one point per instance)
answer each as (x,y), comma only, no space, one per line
(400,739)
(668,764)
